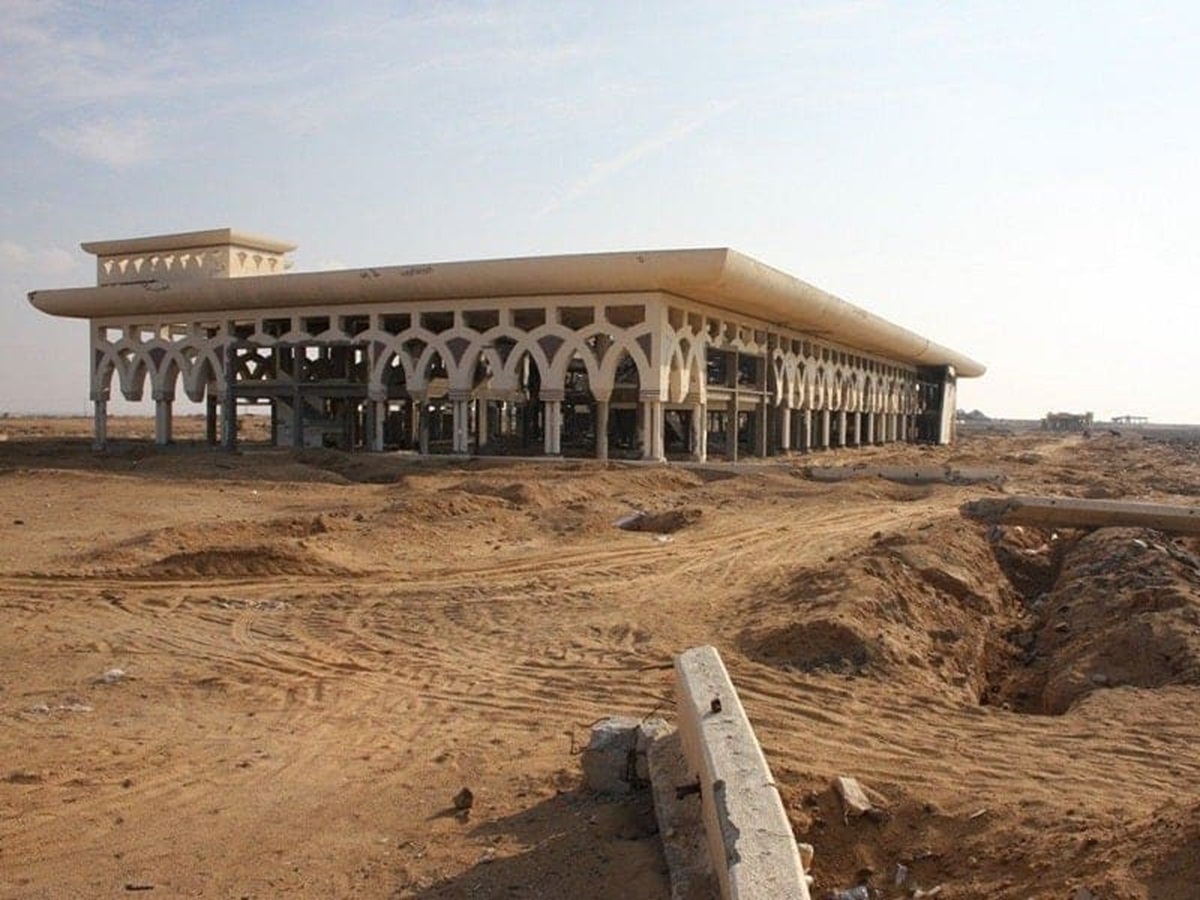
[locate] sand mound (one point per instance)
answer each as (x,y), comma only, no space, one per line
(819,645)
(519,494)
(931,607)
(660,522)
(1123,611)
(239,562)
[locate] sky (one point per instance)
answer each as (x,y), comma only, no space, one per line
(1016,180)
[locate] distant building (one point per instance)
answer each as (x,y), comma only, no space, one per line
(653,355)
(1065,421)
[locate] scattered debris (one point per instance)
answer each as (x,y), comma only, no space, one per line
(806,855)
(112,676)
(464,799)
(659,523)
(901,875)
(932,892)
(859,892)
(854,798)
(979,813)
(22,777)
(73,706)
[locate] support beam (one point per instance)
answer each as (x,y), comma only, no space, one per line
(700,432)
(210,416)
(552,427)
(657,426)
(1067,512)
(785,429)
(461,417)
(422,427)
(100,424)
(297,423)
(602,407)
(378,420)
(483,427)
(162,420)
(229,400)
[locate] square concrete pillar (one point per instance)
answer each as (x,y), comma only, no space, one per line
(162,421)
(100,424)
(602,429)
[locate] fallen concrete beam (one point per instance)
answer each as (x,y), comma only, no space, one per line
(906,474)
(1067,512)
(750,841)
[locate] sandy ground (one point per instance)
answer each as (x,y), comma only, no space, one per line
(269,673)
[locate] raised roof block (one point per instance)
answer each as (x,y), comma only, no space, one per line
(216,253)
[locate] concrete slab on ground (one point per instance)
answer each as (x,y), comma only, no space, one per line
(1068,512)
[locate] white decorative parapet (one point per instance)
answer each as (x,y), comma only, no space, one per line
(217,253)
(750,841)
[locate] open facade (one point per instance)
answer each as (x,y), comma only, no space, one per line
(670,354)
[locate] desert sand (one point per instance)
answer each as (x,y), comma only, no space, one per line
(269,673)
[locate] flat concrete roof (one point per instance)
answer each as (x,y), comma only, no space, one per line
(717,277)
(187,240)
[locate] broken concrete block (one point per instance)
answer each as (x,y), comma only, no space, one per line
(854,798)
(614,761)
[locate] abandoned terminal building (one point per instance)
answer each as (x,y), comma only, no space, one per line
(670,354)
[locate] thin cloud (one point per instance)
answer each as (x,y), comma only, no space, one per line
(17,259)
(605,169)
(111,142)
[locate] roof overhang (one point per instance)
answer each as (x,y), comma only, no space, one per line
(718,277)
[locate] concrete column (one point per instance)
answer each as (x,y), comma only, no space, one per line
(732,436)
(414,423)
(422,428)
(658,446)
(297,420)
(602,429)
(229,401)
(482,425)
(210,416)
(841,428)
(700,432)
(826,429)
(162,421)
(762,433)
(552,430)
(229,419)
(462,425)
(806,437)
(378,420)
(870,427)
(785,430)
(369,416)
(645,426)
(100,424)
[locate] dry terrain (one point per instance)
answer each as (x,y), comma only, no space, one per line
(269,673)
